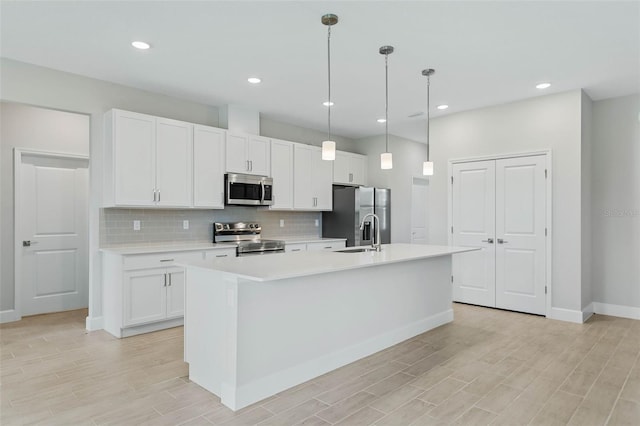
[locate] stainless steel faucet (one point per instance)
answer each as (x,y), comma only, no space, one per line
(375,243)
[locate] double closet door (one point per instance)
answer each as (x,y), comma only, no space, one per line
(499,206)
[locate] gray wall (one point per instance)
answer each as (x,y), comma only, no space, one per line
(546,122)
(407,163)
(41,129)
(616,201)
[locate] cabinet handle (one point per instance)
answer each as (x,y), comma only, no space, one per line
(169,280)
(350,177)
(154,196)
(166,260)
(158,195)
(250,165)
(247,165)
(296,249)
(221,255)
(328,247)
(165,279)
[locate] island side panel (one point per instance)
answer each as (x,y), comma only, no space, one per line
(209,325)
(292,330)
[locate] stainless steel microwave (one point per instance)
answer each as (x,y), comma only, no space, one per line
(247,190)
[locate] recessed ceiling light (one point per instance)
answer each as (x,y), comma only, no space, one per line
(442,106)
(543,85)
(140,45)
(381,120)
(327,103)
(254,80)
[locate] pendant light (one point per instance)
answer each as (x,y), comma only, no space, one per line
(427,166)
(329,146)
(386,159)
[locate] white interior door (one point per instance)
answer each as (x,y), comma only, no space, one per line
(419,202)
(473,221)
(520,234)
(51,233)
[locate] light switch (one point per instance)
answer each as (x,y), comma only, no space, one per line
(317,223)
(136,225)
(281,223)
(185,224)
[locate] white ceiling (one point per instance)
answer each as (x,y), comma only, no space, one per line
(484,53)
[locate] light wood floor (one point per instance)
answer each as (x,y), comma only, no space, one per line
(487,367)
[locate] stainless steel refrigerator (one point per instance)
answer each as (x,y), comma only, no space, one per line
(350,205)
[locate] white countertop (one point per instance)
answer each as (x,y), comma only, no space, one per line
(166,247)
(304,263)
(201,245)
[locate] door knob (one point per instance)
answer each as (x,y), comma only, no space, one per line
(501,241)
(28,243)
(488,240)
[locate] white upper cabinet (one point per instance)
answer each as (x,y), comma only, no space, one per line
(312,179)
(248,154)
(350,169)
(282,174)
(208,167)
(148,160)
(174,159)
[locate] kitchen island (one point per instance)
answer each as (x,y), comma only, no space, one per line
(255,326)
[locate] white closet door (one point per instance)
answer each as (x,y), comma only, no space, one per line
(520,234)
(473,203)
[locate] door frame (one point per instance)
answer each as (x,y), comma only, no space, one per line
(18,153)
(549,211)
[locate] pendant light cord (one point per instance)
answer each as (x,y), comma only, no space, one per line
(386,102)
(428,108)
(329,82)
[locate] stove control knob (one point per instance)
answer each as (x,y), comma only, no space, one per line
(251,225)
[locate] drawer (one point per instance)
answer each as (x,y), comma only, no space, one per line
(220,253)
(140,261)
(295,247)
(333,245)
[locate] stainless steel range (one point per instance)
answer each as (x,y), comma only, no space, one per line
(247,237)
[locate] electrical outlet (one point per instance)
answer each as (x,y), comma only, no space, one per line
(281,223)
(317,223)
(185,224)
(136,225)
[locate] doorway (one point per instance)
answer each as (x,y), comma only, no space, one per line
(500,206)
(51,231)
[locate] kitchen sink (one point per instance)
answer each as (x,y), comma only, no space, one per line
(356,250)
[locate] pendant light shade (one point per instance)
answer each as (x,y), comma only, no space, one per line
(329,146)
(386,158)
(328,150)
(427,166)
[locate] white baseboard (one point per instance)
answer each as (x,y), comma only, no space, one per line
(587,312)
(569,315)
(242,396)
(94,323)
(632,312)
(10,315)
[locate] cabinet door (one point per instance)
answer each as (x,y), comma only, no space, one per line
(259,155)
(144,296)
(208,167)
(173,162)
(303,195)
(322,181)
(175,293)
(134,159)
(358,170)
(341,168)
(282,174)
(236,155)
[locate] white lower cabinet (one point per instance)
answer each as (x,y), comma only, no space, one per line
(145,292)
(153,295)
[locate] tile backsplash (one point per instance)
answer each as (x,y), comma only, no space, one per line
(157,226)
